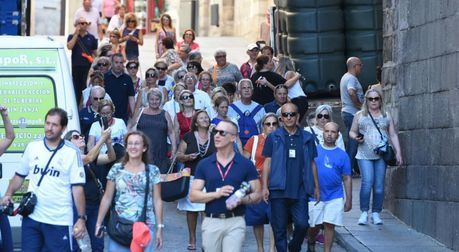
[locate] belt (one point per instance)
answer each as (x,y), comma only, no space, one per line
(223,215)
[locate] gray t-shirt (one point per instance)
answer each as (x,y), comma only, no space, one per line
(230,73)
(349,81)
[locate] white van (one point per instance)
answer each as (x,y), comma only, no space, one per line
(34,77)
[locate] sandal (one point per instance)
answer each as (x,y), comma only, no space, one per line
(191,247)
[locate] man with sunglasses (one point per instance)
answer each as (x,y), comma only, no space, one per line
(164,79)
(222,174)
(83,46)
(292,174)
(352,97)
(88,114)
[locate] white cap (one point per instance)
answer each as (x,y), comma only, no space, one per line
(252,46)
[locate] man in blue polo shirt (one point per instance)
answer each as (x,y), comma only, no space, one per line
(222,174)
(334,168)
(83,46)
(120,87)
(292,174)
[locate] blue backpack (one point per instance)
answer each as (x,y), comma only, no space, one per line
(247,125)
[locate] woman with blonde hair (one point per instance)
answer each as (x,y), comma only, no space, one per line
(372,128)
(132,36)
(323,115)
(182,123)
(166,30)
(117,46)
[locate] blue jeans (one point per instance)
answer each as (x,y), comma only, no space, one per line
(373,173)
(7,237)
(97,244)
(280,211)
(351,147)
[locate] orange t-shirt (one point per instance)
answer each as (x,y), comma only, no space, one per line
(259,159)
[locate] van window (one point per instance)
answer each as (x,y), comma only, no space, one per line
(28,99)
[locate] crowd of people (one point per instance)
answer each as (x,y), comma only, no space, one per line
(228,124)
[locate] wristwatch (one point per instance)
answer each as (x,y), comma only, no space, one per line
(160,226)
(83,217)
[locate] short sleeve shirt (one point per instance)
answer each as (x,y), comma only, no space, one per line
(241,170)
(349,81)
(120,88)
(230,73)
(54,194)
(130,192)
(86,44)
(262,94)
(332,164)
(119,129)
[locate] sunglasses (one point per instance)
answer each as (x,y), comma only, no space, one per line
(102,64)
(270,124)
(162,68)
(77,136)
(98,98)
(180,76)
(221,132)
(326,116)
(83,23)
(132,67)
(192,67)
(186,97)
(372,99)
(150,75)
(220,56)
(289,114)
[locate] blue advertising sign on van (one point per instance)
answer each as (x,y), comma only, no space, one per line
(27,58)
(28,99)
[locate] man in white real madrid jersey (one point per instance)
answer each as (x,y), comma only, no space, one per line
(54,179)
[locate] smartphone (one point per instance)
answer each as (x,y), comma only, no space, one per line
(104,122)
(360,135)
(101,230)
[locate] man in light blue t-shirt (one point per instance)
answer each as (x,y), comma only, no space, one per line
(351,99)
(333,168)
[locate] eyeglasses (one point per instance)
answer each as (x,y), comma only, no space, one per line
(220,56)
(270,124)
(189,78)
(289,114)
(102,64)
(150,75)
(373,99)
(221,132)
(98,98)
(326,116)
(161,68)
(180,76)
(186,97)
(131,21)
(132,67)
(77,136)
(83,23)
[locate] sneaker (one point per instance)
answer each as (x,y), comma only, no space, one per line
(363,220)
(376,219)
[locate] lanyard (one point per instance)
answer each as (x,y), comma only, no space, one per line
(227,171)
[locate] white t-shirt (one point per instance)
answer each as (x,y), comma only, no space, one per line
(90,16)
(119,129)
(201,100)
(172,107)
(295,90)
(169,84)
(246,109)
(54,195)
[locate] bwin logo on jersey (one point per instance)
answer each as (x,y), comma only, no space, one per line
(51,172)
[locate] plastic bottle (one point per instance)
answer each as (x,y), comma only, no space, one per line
(231,202)
(85,243)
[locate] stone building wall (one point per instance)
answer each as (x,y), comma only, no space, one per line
(421,42)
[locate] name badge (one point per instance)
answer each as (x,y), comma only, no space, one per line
(292,153)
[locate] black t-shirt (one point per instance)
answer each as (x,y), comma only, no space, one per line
(192,147)
(91,190)
(119,88)
(262,94)
(89,42)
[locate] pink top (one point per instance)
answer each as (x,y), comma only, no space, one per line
(194,46)
(109,7)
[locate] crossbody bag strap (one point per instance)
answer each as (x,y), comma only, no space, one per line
(143,217)
(82,46)
(97,181)
(45,171)
(373,120)
(315,135)
(254,149)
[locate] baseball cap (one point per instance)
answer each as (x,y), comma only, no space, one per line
(140,236)
(252,46)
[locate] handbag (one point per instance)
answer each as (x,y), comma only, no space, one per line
(120,229)
(175,186)
(385,151)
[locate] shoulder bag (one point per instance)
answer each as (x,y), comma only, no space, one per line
(175,186)
(120,229)
(384,150)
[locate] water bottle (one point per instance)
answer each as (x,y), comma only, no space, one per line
(84,243)
(231,202)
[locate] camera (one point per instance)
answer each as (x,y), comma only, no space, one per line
(9,209)
(381,148)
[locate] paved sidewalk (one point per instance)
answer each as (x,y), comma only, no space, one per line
(393,235)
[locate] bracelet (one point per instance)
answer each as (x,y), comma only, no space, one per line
(159,226)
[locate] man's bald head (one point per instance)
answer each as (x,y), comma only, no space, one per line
(332,126)
(352,62)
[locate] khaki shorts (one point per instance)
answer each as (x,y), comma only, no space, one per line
(326,211)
